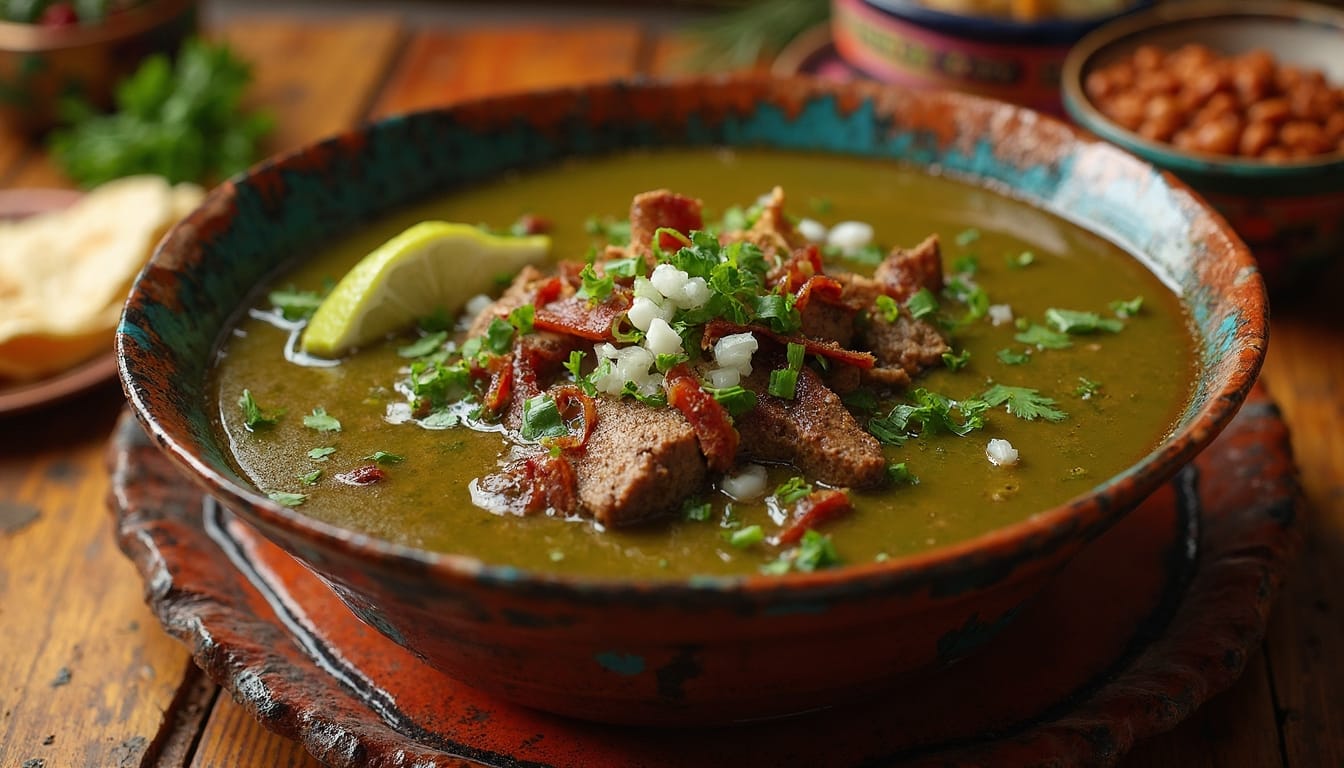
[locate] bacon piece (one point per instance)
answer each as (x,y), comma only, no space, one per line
(651,211)
(825,289)
(718,328)
(710,420)
(365,475)
(573,403)
(529,486)
(499,393)
(814,509)
(573,316)
(801,266)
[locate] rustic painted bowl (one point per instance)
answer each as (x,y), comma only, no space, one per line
(41,65)
(703,650)
(1290,214)
(905,42)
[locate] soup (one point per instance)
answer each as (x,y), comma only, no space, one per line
(1101,399)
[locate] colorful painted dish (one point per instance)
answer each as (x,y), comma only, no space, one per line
(1291,214)
(672,651)
(1186,582)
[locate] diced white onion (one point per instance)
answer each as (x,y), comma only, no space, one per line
(745,485)
(735,351)
(814,231)
(476,305)
(1001,453)
(722,378)
(999,314)
(850,236)
(661,339)
(695,295)
(643,311)
(670,281)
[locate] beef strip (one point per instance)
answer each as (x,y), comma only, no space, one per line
(517,294)
(814,431)
(904,271)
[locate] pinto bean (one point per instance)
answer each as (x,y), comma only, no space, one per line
(1256,139)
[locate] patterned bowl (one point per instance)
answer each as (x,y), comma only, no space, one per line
(1291,214)
(703,650)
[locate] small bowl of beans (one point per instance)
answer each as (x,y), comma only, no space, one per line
(1242,100)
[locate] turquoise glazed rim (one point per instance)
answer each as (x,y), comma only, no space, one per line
(188,295)
(1227,175)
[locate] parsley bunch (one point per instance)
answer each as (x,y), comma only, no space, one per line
(182,121)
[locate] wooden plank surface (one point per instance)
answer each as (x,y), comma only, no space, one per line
(87,678)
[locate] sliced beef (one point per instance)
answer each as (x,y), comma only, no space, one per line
(903,349)
(651,211)
(904,271)
(517,294)
(813,431)
(772,232)
(825,320)
(639,463)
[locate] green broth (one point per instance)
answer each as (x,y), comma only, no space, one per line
(1146,372)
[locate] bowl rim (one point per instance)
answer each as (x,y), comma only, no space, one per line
(1055,30)
(1134,27)
(1053,526)
(22,37)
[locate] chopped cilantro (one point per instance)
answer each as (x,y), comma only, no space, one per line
(1023,259)
(310,478)
(287,499)
(922,304)
(958,361)
(665,361)
(792,490)
(383,457)
(931,413)
(1087,388)
(860,399)
(967,236)
(1124,309)
(595,288)
(966,265)
(321,454)
(440,419)
(1040,336)
(1012,357)
(321,421)
(425,345)
(295,304)
(820,205)
(521,318)
(698,511)
(499,336)
(438,320)
(629,267)
(438,384)
(614,231)
(871,254)
(901,475)
(253,416)
(743,538)
(1071,321)
(778,312)
(815,551)
(656,400)
(699,257)
(541,418)
(887,308)
(1023,402)
(736,400)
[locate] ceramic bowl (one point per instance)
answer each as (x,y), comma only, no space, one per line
(908,43)
(709,650)
(1290,214)
(41,65)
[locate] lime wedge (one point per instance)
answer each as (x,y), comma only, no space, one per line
(431,266)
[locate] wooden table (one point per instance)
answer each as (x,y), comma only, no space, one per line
(87,676)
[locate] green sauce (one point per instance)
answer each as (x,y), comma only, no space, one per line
(1145,375)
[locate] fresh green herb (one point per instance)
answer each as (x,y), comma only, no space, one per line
(614,231)
(736,400)
(861,399)
(437,384)
(254,417)
(425,345)
(383,457)
(1070,321)
(594,288)
(815,551)
(697,511)
(967,236)
(287,499)
(699,256)
(320,454)
(784,382)
(1125,309)
(521,318)
(656,400)
(792,490)
(321,421)
(930,413)
(1021,260)
(1040,336)
(743,538)
(901,475)
(541,418)
(966,265)
(1023,402)
(440,419)
(1012,357)
(664,361)
(310,478)
(887,308)
(499,336)
(619,332)
(295,304)
(1087,388)
(820,205)
(870,255)
(629,267)
(575,367)
(958,361)
(778,312)
(922,304)
(183,122)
